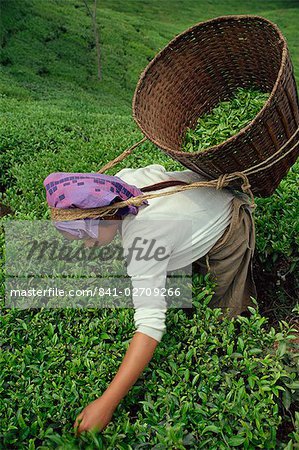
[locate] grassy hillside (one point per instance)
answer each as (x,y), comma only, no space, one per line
(56,116)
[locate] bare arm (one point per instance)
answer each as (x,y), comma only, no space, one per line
(137,357)
(98,413)
(150,273)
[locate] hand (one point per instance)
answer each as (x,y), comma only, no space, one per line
(95,416)
(98,413)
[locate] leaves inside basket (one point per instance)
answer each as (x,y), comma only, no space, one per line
(225,120)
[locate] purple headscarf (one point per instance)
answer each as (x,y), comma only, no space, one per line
(87,190)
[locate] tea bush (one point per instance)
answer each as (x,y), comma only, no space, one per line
(211,384)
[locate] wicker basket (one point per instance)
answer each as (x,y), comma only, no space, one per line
(203,66)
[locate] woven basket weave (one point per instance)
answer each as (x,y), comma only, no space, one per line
(205,65)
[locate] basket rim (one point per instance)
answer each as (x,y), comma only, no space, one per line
(160,54)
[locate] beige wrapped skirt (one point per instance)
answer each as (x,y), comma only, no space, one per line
(230,262)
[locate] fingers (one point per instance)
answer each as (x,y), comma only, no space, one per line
(78,419)
(79,425)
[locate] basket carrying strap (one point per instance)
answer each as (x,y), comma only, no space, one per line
(162,185)
(157,186)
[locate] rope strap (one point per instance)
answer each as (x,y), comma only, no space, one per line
(221,182)
(93,213)
(122,156)
(250,171)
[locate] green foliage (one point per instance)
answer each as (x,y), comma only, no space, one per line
(277,223)
(225,120)
(211,384)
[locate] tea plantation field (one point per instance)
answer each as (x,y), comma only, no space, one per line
(210,385)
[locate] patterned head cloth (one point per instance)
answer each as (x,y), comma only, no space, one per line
(87,190)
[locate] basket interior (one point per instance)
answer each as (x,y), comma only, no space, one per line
(200,68)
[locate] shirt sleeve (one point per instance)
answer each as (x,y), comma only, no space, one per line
(150,308)
(147,264)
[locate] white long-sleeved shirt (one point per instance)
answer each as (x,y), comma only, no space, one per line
(184,225)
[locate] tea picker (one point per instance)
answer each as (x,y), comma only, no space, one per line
(196,71)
